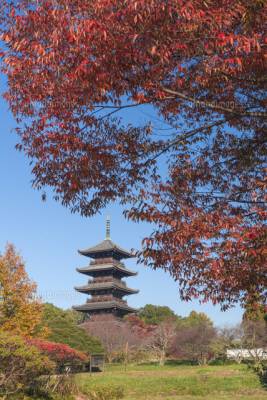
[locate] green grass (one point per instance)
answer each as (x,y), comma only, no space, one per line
(151,382)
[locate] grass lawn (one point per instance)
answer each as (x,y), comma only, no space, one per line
(171,382)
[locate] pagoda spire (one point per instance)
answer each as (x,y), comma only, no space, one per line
(108,228)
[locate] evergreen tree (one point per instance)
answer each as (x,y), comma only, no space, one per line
(63,327)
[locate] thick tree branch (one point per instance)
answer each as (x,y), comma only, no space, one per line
(214,106)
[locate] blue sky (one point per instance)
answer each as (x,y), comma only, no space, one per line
(47,235)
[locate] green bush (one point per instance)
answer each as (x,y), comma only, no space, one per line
(63,327)
(20,366)
(260,368)
(105,393)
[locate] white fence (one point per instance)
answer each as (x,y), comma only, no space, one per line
(246,354)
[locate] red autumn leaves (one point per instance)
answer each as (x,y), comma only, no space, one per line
(74,67)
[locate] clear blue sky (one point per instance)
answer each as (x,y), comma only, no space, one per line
(47,235)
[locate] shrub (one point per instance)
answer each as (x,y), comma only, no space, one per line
(62,354)
(20,365)
(64,385)
(55,387)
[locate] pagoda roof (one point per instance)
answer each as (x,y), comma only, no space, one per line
(92,269)
(107,246)
(104,306)
(105,285)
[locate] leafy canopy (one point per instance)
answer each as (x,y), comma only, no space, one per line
(20,309)
(196,319)
(154,315)
(200,65)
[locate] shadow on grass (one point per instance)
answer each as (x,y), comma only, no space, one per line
(170,363)
(180,362)
(175,362)
(263,379)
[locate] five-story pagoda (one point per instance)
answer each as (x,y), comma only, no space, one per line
(106,287)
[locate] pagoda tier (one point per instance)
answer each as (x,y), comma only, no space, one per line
(101,267)
(106,249)
(100,286)
(105,307)
(106,288)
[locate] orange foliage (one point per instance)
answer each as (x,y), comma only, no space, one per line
(20,310)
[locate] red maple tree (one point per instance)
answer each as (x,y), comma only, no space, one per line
(73,67)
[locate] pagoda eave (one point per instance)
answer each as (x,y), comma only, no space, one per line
(95,288)
(105,247)
(91,271)
(103,306)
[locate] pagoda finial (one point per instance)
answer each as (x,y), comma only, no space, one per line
(108,228)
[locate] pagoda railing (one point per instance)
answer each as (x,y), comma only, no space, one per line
(101,279)
(119,282)
(106,279)
(106,298)
(106,260)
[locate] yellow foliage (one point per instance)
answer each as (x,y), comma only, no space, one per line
(20,309)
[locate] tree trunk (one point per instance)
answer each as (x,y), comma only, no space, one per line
(162,358)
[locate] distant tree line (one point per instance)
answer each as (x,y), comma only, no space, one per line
(156,333)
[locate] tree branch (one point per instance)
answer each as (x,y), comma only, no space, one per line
(187,135)
(213,106)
